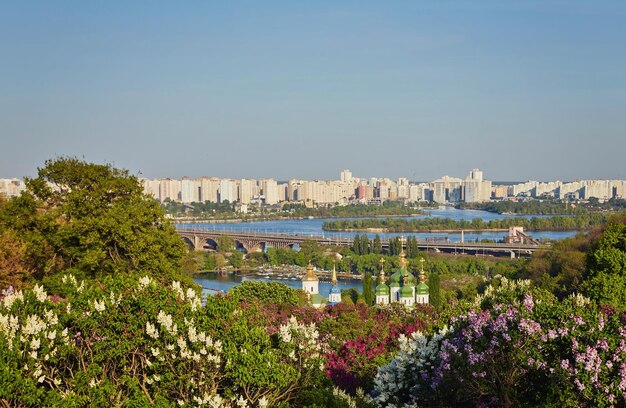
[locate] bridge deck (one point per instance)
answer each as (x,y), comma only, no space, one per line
(291,239)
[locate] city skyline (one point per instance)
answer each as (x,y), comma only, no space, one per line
(523,90)
(349,188)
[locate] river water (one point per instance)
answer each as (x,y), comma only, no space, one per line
(214,282)
(313,227)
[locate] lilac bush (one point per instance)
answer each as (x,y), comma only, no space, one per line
(513,346)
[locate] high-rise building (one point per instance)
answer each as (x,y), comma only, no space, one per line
(247,189)
(475,189)
(169,189)
(269,189)
(228,190)
(346,176)
(187,191)
(209,188)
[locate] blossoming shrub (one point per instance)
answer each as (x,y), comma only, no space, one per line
(364,338)
(355,339)
(135,342)
(515,346)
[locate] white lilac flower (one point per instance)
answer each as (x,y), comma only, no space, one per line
(165,320)
(151,330)
(99,306)
(40,294)
(11,298)
(33,325)
(144,282)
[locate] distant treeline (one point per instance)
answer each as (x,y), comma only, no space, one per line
(575,222)
(355,210)
(546,207)
(525,207)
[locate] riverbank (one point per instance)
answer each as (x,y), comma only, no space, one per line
(193,220)
(446,231)
(449,225)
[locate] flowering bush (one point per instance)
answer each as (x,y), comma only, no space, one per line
(516,345)
(136,342)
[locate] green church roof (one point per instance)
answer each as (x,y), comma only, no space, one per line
(382,289)
(406,291)
(422,289)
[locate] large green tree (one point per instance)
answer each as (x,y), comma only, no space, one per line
(368,289)
(94,219)
(606,264)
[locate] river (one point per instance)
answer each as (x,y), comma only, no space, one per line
(313,227)
(213,282)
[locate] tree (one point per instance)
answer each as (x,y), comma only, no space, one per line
(93,218)
(377,246)
(606,264)
(368,289)
(225,243)
(209,262)
(13,268)
(220,261)
(434,296)
(236,259)
(311,249)
(268,292)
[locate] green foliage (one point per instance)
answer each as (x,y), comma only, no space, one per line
(377,247)
(606,262)
(125,341)
(225,243)
(351,296)
(267,292)
(14,270)
(560,269)
(434,296)
(94,218)
(369,297)
(236,259)
(576,222)
(225,210)
(539,207)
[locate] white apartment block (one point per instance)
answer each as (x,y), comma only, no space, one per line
(476,189)
(247,189)
(209,189)
(228,190)
(444,190)
(11,187)
(169,189)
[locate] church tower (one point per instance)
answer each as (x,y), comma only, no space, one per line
(382,290)
(334,296)
(310,284)
(422,291)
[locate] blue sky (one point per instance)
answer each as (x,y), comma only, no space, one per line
(521,89)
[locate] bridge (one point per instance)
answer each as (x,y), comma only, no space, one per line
(201,240)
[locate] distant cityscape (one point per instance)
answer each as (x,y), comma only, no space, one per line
(350,189)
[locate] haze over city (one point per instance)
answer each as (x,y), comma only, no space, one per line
(523,90)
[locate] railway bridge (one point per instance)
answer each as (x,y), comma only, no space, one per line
(201,239)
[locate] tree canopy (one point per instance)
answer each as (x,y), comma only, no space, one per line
(93,219)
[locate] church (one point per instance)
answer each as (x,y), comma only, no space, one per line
(403,287)
(310,284)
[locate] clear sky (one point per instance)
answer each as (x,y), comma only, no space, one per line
(521,89)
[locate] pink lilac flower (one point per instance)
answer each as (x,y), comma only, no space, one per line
(528,302)
(579,385)
(530,327)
